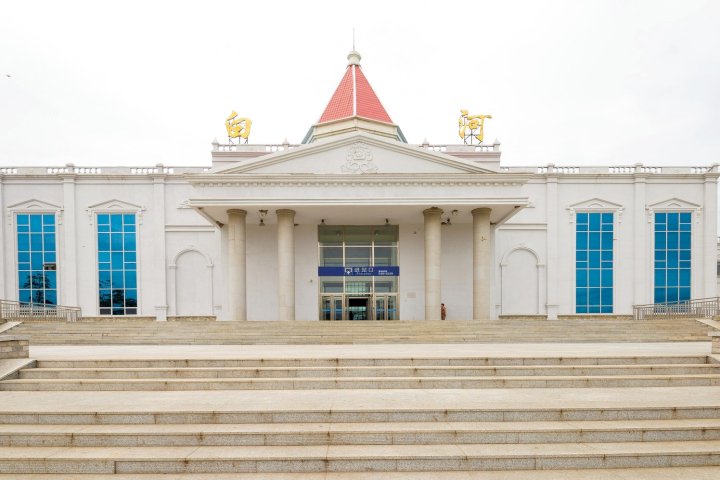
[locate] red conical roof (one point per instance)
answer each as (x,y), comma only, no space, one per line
(354,97)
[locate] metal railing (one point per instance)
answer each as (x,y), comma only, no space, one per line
(698,308)
(13,311)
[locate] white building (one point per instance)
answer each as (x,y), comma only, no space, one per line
(357,224)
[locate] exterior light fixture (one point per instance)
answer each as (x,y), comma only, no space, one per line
(262,214)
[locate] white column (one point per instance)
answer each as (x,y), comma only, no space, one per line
(710,235)
(552,247)
(482,264)
(237,297)
(68,290)
(286,264)
(159,260)
(433,249)
(641,251)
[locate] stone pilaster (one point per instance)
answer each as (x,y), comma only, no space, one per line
(551,187)
(642,247)
(159,267)
(68,288)
(710,236)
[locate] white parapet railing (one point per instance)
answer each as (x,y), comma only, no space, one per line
(11,310)
(637,169)
(698,308)
(464,151)
(104,171)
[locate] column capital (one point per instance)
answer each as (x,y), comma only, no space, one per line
(432,211)
(237,211)
(481,211)
(284,211)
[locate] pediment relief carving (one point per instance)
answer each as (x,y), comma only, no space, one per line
(359,159)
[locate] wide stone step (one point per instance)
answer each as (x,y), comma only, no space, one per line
(372,415)
(357,458)
(667,473)
(367,372)
(116,332)
(598,381)
(418,433)
(316,361)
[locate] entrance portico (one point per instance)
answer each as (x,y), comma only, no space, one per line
(430,211)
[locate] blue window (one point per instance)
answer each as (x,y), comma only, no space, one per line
(673,246)
(117,275)
(36,258)
(594,262)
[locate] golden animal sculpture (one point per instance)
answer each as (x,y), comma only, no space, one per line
(238,127)
(471,126)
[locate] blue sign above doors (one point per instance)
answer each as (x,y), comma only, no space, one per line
(393,271)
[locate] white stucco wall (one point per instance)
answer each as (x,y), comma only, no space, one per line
(262,275)
(542,235)
(412,272)
(456,270)
(306,278)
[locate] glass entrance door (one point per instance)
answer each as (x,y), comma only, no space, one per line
(385,307)
(347,307)
(331,307)
(380,308)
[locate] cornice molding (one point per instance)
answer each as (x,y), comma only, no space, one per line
(368,201)
(378,179)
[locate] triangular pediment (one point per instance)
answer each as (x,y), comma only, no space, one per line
(673,204)
(116,205)
(595,204)
(34,205)
(354,154)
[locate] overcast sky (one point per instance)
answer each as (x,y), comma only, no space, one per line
(567,82)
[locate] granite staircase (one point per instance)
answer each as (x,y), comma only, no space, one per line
(622,412)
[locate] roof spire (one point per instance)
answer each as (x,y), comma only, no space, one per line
(354,57)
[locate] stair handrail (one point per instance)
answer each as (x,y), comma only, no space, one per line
(693,308)
(13,310)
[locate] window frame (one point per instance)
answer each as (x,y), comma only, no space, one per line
(16,250)
(96,259)
(653,261)
(615,222)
